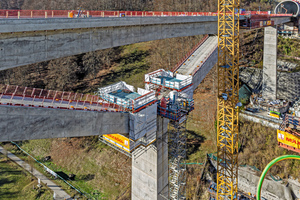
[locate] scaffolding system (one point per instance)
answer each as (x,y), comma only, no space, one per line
(142,109)
(177,164)
(228,97)
(174,94)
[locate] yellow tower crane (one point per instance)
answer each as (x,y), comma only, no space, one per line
(228,97)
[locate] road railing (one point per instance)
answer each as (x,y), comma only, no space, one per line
(177,66)
(35,97)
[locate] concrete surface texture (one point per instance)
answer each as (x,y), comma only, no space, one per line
(60,194)
(26,123)
(66,37)
(150,167)
(205,56)
(272,190)
(259,119)
(269,87)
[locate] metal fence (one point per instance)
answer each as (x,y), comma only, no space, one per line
(34,97)
(90,13)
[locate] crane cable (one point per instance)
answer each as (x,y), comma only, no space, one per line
(273,162)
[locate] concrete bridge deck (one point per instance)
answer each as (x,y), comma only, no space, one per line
(31,113)
(29,123)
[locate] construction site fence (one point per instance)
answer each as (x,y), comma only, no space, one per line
(39,96)
(90,13)
(189,53)
(56,175)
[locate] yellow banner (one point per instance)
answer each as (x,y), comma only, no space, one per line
(288,139)
(119,139)
(269,23)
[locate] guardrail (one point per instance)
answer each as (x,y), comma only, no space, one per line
(91,13)
(189,53)
(34,97)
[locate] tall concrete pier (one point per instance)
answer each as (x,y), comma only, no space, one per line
(269,87)
(150,167)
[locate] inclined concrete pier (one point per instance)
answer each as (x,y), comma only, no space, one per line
(26,123)
(269,86)
(150,167)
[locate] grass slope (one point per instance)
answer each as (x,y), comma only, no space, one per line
(17,184)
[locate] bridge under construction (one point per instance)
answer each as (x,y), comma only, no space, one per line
(149,123)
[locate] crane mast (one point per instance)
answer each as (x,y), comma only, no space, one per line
(228,97)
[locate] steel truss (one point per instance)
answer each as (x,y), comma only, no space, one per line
(177,161)
(228,96)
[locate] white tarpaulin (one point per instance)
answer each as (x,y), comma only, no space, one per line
(142,91)
(181,77)
(143,122)
(114,87)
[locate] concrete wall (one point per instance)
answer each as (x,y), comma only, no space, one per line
(46,39)
(25,123)
(272,190)
(269,87)
(150,167)
(205,68)
(261,120)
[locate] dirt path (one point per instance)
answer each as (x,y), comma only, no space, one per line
(60,194)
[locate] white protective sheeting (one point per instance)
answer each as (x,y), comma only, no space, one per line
(128,87)
(116,86)
(143,100)
(181,77)
(168,74)
(159,72)
(143,91)
(143,122)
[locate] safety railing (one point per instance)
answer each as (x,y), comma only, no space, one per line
(90,13)
(206,58)
(143,101)
(34,97)
(189,53)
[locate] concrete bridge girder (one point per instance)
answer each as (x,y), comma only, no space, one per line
(26,123)
(61,39)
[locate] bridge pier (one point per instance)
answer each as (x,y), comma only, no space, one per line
(269,86)
(150,167)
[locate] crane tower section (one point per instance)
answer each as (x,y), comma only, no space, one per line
(228,87)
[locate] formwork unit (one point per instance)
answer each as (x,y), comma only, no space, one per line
(288,135)
(173,94)
(142,108)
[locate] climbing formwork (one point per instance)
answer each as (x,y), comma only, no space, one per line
(142,108)
(174,103)
(288,135)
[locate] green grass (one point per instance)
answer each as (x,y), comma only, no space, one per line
(98,181)
(16,183)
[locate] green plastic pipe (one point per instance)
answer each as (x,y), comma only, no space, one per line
(273,162)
